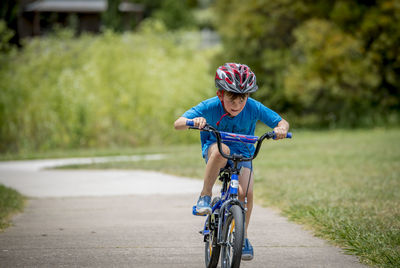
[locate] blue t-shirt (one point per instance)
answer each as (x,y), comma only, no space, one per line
(243,123)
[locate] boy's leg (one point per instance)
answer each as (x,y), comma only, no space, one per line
(243,183)
(215,162)
(245,173)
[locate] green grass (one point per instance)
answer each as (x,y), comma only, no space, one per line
(10,202)
(344,185)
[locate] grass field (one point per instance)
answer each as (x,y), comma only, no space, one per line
(10,202)
(344,185)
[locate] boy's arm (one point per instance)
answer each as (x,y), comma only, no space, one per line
(180,123)
(281,129)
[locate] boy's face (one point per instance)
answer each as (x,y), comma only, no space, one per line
(233,104)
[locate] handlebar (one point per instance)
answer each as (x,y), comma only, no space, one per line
(226,136)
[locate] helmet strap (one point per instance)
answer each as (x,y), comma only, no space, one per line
(221,98)
(219,121)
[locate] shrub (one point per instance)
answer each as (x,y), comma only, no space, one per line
(99,91)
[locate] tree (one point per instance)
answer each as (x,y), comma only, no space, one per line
(269,36)
(8,13)
(329,78)
(112,17)
(174,14)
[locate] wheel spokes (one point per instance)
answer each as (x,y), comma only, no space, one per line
(210,245)
(229,245)
(232,227)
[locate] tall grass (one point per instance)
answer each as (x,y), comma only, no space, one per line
(98,91)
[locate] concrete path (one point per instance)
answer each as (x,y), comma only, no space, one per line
(120,218)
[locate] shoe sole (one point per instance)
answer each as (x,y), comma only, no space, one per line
(204,211)
(247,257)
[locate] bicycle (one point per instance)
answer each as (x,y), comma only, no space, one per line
(224,227)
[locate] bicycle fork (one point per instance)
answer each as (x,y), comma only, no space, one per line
(224,210)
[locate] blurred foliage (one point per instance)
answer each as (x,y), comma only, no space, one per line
(319,63)
(111,18)
(9,14)
(328,75)
(323,63)
(6,35)
(174,14)
(101,91)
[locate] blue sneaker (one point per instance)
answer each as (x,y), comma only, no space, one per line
(203,205)
(247,251)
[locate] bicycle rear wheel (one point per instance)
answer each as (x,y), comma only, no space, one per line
(232,235)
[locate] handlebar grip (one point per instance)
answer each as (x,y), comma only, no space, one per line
(190,123)
(288,135)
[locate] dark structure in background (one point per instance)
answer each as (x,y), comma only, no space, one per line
(35,17)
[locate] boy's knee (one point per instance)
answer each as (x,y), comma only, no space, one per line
(216,155)
(225,150)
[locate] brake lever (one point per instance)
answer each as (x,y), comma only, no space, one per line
(207,127)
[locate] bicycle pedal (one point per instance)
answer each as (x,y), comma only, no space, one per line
(204,232)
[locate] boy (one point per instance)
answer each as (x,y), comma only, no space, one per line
(231,111)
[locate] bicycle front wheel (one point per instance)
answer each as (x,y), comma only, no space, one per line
(212,249)
(232,235)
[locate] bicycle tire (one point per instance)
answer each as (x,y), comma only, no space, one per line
(212,249)
(232,235)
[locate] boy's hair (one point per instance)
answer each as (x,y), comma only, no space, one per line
(234,95)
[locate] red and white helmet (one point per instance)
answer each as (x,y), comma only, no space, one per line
(235,77)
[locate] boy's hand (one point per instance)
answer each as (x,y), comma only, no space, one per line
(280,133)
(199,122)
(281,130)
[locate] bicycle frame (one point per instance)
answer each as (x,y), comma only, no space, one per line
(229,197)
